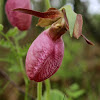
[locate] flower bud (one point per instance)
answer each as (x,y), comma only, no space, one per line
(20,20)
(44,56)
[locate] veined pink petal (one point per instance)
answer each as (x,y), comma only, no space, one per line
(44,57)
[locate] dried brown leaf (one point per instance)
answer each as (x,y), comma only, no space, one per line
(78,26)
(88,41)
(45,22)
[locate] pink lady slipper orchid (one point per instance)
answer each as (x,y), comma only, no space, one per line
(20,20)
(45,54)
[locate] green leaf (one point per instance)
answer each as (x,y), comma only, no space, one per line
(14,68)
(55,95)
(74,91)
(71,16)
(23,50)
(76,94)
(21,36)
(12,32)
(5,44)
(1,27)
(13,57)
(74,87)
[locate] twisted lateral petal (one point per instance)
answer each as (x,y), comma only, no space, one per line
(51,13)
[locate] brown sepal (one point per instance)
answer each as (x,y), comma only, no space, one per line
(51,9)
(46,22)
(78,26)
(78,29)
(51,13)
(43,22)
(65,18)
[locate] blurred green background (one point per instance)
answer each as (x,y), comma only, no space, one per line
(79,75)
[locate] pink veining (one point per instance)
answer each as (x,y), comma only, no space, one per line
(44,57)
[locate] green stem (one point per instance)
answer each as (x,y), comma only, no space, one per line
(22,70)
(47,4)
(39,91)
(20,59)
(5,36)
(26,90)
(47,83)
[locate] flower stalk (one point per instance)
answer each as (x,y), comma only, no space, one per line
(47,83)
(23,71)
(39,91)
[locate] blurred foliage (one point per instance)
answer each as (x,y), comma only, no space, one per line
(1,27)
(13,56)
(74,92)
(70,67)
(55,95)
(1,10)
(4,87)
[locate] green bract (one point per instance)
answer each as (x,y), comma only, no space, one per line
(71,16)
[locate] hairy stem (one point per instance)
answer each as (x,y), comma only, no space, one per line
(22,70)
(4,35)
(47,83)
(26,90)
(39,91)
